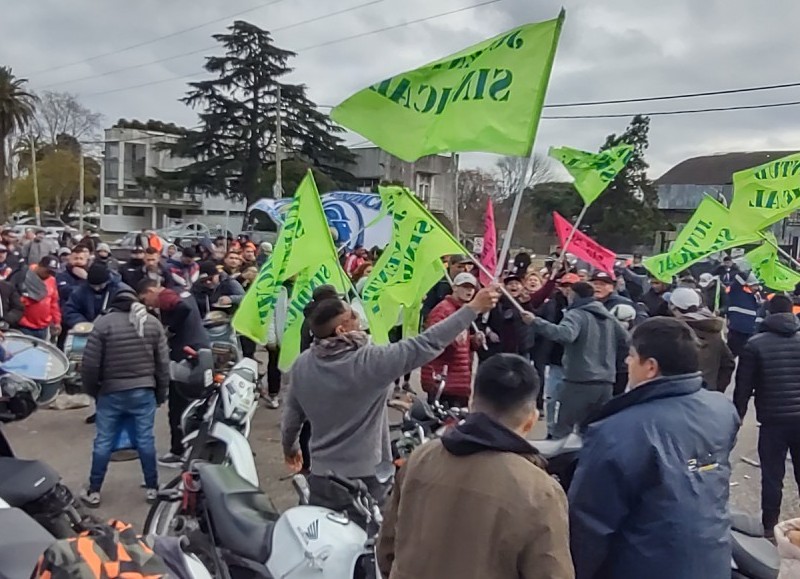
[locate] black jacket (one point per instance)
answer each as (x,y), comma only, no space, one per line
(769,369)
(11,308)
(655,303)
(553,311)
(181,318)
(437,293)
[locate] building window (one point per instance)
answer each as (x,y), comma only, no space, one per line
(132,211)
(215,212)
(135,161)
(424,186)
(111,190)
(110,209)
(194,212)
(238,213)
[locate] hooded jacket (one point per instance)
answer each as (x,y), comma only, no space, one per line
(181,318)
(649,498)
(655,303)
(515,524)
(769,369)
(456,356)
(118,358)
(85,304)
(206,297)
(11,308)
(592,340)
(717,362)
(43,312)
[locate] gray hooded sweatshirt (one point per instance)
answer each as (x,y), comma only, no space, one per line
(344,397)
(592,339)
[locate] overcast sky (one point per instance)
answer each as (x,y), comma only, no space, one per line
(620,49)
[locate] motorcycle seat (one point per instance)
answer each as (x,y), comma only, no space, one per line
(22,541)
(241,514)
(24,481)
(746,524)
(551,448)
(755,557)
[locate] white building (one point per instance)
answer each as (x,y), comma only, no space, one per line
(132,153)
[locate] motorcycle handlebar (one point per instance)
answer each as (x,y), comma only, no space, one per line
(353,487)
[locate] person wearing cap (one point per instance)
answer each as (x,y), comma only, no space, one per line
(456,264)
(184,271)
(504,329)
(605,292)
(215,288)
(727,271)
(39,291)
(713,292)
(91,299)
(103,255)
(457,357)
(34,250)
(714,356)
(264,253)
(592,340)
(133,270)
(63,258)
(744,302)
(654,299)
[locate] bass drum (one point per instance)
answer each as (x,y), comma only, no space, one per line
(36,360)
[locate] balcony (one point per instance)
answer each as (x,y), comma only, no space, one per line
(135,194)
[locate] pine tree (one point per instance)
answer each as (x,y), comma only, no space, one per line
(627,215)
(234,148)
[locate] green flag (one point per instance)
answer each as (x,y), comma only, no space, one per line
(593,172)
(410,265)
(488,97)
(708,231)
(304,243)
(765,194)
(768,268)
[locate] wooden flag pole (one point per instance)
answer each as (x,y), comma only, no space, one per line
(501,263)
(573,232)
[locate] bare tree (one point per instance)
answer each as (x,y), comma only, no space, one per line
(511,173)
(60,113)
(475,186)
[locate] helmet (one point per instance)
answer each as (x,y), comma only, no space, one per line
(238,392)
(624,314)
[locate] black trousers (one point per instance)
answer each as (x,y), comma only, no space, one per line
(774,441)
(305,445)
(395,335)
(176,404)
(736,341)
(273,373)
(248,347)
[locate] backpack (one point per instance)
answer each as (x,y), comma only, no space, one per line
(112,551)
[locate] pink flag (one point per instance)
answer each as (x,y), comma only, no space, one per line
(584,247)
(489,253)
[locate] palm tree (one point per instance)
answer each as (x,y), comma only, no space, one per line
(17,107)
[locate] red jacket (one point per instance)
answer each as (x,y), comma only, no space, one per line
(457,356)
(44,313)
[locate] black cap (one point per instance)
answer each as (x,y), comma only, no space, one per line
(512,277)
(603,276)
(189,252)
(137,249)
(208,269)
(49,262)
(98,274)
(459,258)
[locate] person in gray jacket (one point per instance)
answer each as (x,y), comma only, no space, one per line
(592,340)
(341,384)
(126,369)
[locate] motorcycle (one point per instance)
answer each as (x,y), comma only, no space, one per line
(74,345)
(235,529)
(224,342)
(753,557)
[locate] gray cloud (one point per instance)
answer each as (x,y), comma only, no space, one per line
(624,49)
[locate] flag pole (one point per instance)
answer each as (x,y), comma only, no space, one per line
(474,325)
(780,250)
(573,232)
(501,263)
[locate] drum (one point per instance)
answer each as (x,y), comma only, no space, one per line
(37,360)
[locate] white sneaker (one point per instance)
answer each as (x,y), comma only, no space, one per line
(90,498)
(273,402)
(170,460)
(151,495)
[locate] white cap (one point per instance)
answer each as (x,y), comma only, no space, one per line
(266,247)
(465,279)
(705,280)
(624,312)
(685,298)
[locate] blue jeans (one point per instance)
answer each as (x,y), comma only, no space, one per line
(112,410)
(555,374)
(43,334)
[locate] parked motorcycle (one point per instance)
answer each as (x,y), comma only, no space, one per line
(754,557)
(74,346)
(224,341)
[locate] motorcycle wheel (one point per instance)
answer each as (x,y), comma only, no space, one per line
(163,512)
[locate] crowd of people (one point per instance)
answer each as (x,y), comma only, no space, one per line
(636,366)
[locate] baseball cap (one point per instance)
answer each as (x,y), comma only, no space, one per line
(208,269)
(465,279)
(459,258)
(705,280)
(603,277)
(684,298)
(137,249)
(752,280)
(512,277)
(266,247)
(49,262)
(569,279)
(189,252)
(103,247)
(61,250)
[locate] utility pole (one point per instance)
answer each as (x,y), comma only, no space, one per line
(278,191)
(457,224)
(37,210)
(81,188)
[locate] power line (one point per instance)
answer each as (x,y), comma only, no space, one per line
(328,43)
(680,112)
(213,46)
(676,96)
(160,38)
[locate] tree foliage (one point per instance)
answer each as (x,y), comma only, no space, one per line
(627,215)
(514,172)
(234,148)
(17,109)
(553,196)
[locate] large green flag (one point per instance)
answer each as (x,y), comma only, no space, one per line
(766,266)
(304,243)
(488,97)
(765,194)
(593,172)
(410,265)
(708,231)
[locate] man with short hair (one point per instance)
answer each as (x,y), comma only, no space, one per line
(10,239)
(214,287)
(769,370)
(592,339)
(74,275)
(726,271)
(133,272)
(653,299)
(515,526)
(744,302)
(649,498)
(42,315)
(349,420)
(456,264)
(186,270)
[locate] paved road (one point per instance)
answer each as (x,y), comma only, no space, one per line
(61,439)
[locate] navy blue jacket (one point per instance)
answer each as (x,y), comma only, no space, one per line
(650,495)
(85,304)
(742,309)
(67,283)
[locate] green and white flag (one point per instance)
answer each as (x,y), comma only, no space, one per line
(409,267)
(488,97)
(593,172)
(765,194)
(767,267)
